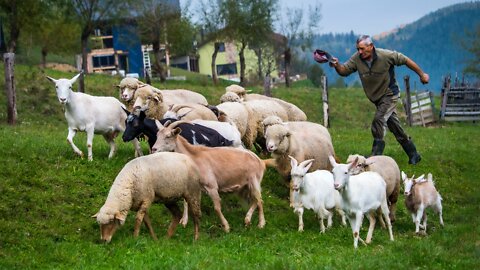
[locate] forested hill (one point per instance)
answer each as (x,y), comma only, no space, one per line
(434,42)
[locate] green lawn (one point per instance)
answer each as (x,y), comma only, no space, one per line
(48,196)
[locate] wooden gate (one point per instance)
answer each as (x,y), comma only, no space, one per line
(460,101)
(419,106)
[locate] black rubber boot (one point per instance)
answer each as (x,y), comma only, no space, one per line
(377,147)
(409,148)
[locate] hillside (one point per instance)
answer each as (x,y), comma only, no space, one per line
(434,42)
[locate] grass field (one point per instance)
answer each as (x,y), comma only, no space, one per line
(48,196)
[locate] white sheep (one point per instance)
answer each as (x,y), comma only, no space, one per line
(420,194)
(150,102)
(361,194)
(302,144)
(314,191)
(388,169)
(190,111)
(159,177)
(92,114)
(294,113)
(129,85)
(238,114)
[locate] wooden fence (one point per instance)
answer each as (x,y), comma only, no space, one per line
(419,106)
(460,101)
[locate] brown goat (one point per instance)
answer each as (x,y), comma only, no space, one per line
(222,169)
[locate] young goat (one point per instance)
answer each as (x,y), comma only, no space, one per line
(94,115)
(361,194)
(314,191)
(420,194)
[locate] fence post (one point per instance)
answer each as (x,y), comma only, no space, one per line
(445,91)
(408,105)
(9,60)
(326,119)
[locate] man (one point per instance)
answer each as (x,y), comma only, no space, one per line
(375,67)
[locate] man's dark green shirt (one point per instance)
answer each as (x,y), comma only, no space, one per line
(377,79)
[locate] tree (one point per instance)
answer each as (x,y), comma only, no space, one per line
(212,29)
(54,31)
(89,14)
(163,26)
(472,44)
(249,22)
(297,33)
(18,14)
(315,74)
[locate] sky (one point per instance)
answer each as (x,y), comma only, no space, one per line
(370,17)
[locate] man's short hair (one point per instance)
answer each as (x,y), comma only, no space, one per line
(365,38)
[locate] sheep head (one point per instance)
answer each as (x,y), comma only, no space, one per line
(277,138)
(109,222)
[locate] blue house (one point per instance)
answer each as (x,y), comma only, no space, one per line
(116,49)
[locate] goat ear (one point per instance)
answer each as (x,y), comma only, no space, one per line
(158,124)
(142,115)
(95,216)
(404,176)
(353,164)
(126,111)
(51,79)
(306,164)
(167,123)
(293,161)
(420,178)
(176,131)
(430,177)
(180,116)
(74,79)
(332,161)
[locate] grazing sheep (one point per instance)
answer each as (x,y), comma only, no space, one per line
(361,194)
(160,177)
(294,113)
(314,191)
(388,169)
(228,130)
(420,194)
(190,111)
(222,169)
(128,86)
(92,114)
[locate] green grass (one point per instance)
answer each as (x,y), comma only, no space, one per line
(48,196)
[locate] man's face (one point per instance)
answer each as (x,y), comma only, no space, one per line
(364,50)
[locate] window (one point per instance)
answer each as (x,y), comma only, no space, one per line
(227,69)
(103,61)
(221,46)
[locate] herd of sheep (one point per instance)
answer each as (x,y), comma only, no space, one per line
(191,143)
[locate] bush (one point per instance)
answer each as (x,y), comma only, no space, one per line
(315,73)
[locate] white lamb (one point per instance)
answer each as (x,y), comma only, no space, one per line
(92,114)
(420,194)
(314,191)
(361,194)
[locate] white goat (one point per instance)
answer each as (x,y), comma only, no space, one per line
(361,194)
(420,194)
(314,191)
(94,115)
